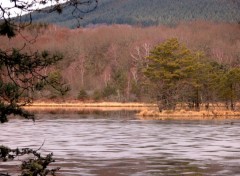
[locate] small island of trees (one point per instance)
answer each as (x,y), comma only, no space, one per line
(180,76)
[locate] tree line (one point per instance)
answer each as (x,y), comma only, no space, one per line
(100,67)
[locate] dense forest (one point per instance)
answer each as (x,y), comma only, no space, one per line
(99,66)
(147,13)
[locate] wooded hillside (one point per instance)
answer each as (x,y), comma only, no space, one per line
(150,12)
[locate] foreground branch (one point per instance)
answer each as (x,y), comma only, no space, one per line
(36,165)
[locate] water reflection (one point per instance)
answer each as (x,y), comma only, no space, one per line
(121,145)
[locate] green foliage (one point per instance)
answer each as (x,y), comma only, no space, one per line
(40,85)
(20,75)
(35,165)
(169,64)
(38,166)
(229,87)
(97,95)
(56,84)
(119,81)
(136,89)
(115,89)
(82,95)
(108,91)
(5,153)
(14,109)
(7,29)
(9,91)
(178,75)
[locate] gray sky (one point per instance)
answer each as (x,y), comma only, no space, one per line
(9,6)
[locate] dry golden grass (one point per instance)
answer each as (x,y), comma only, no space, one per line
(188,115)
(89,104)
(146,111)
(84,106)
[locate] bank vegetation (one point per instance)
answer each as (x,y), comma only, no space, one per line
(100,67)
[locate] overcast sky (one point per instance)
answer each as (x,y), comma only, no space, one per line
(16,11)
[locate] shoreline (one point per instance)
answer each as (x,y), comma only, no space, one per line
(90,104)
(144,111)
(75,107)
(189,115)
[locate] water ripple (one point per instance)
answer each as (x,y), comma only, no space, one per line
(98,146)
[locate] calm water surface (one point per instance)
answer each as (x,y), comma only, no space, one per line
(121,145)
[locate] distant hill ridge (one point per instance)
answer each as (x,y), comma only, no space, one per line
(149,12)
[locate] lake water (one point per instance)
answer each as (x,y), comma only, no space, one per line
(118,144)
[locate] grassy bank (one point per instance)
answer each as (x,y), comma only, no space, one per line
(88,104)
(76,106)
(146,111)
(153,114)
